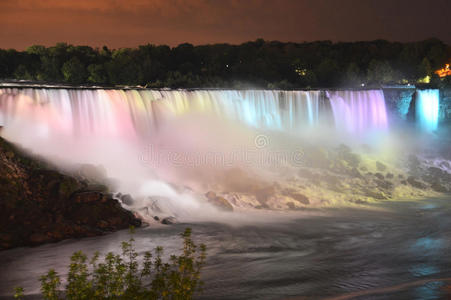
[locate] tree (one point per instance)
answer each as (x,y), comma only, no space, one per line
(380,72)
(74,71)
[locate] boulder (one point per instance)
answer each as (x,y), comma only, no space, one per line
(416,183)
(218,201)
(380,166)
(40,204)
(127,199)
(439,187)
(169,220)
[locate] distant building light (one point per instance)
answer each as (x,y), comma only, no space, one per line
(426,79)
(227,66)
(362,84)
(446,71)
(301,72)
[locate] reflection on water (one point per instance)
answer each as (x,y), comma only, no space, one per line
(398,252)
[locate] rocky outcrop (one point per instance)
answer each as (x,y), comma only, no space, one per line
(218,201)
(39,204)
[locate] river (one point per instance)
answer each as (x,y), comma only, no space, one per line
(392,250)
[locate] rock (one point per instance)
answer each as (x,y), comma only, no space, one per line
(413,163)
(344,153)
(415,183)
(384,184)
(127,199)
(291,205)
(379,176)
(221,203)
(359,201)
(317,157)
(92,173)
(87,197)
(40,204)
(39,238)
(156,218)
(380,166)
(389,176)
(445,164)
(374,193)
(169,221)
(299,197)
(218,201)
(439,187)
(354,172)
(210,195)
(102,224)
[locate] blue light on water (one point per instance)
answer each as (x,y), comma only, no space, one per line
(427,106)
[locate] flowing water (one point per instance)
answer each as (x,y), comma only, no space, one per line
(398,250)
(395,249)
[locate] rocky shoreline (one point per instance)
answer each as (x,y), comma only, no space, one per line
(39,204)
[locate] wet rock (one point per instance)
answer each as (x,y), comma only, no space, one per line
(218,201)
(169,221)
(354,172)
(380,166)
(92,173)
(344,153)
(297,196)
(413,163)
(359,201)
(39,238)
(379,176)
(39,204)
(445,164)
(127,199)
(439,187)
(291,205)
(317,157)
(415,183)
(210,195)
(374,193)
(384,184)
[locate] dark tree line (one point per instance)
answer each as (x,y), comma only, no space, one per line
(258,63)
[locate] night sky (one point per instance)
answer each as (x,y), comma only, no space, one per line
(129,23)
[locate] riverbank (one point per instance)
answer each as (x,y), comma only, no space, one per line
(40,204)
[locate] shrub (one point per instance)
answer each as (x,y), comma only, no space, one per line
(120,276)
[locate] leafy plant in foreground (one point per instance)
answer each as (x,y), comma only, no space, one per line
(120,276)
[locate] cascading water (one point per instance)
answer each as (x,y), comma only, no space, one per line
(112,127)
(359,111)
(427,109)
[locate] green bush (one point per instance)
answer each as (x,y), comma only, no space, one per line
(122,277)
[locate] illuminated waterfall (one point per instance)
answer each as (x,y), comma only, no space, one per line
(133,113)
(359,111)
(427,109)
(147,139)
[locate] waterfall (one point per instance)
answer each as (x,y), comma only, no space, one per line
(427,109)
(138,113)
(164,145)
(359,111)
(131,113)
